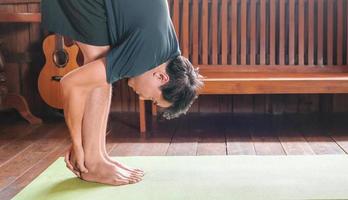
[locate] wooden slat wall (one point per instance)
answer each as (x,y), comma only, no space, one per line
(261,32)
(220,32)
(234,28)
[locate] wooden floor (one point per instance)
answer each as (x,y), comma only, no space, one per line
(26,151)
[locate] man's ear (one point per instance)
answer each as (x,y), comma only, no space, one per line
(161,76)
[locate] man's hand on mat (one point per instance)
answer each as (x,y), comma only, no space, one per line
(74,159)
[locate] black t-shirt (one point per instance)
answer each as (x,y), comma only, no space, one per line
(143,36)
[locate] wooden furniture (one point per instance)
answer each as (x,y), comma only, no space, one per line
(11,100)
(264,47)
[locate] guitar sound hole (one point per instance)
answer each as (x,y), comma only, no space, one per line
(60,58)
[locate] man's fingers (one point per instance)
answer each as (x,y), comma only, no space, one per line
(69,165)
(74,171)
(82,167)
(67,160)
(75,166)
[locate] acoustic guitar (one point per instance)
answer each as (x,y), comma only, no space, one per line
(60,60)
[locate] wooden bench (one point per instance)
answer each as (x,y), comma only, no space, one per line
(242,49)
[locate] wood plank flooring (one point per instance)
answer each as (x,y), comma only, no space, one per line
(26,151)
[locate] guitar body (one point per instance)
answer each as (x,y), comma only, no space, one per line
(60,60)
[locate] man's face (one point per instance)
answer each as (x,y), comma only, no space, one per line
(147,86)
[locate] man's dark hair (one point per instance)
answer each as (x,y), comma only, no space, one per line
(181,89)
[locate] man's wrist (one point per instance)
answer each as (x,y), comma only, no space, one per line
(76,144)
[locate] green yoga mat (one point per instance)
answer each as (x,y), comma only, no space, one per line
(205,177)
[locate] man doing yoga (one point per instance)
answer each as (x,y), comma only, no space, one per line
(119,39)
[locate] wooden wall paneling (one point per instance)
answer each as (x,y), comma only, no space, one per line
(314,103)
(301,32)
(195,32)
(311,32)
(340,31)
(260,103)
(214,31)
(234,31)
(185,28)
(278,102)
(243,31)
(330,32)
(320,36)
(224,31)
(176,17)
(225,103)
(325,103)
(273,36)
(242,103)
(282,32)
(204,31)
(290,104)
(263,32)
(253,37)
(291,32)
(340,103)
(307,103)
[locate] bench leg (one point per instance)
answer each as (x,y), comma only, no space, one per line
(142,116)
(20,104)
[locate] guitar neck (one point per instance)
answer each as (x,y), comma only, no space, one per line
(59,42)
